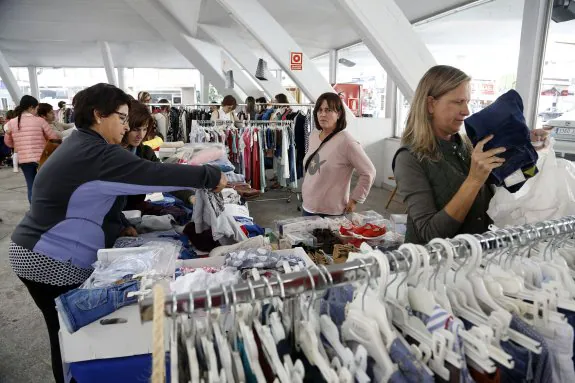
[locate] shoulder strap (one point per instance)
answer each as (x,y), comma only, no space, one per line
(317,150)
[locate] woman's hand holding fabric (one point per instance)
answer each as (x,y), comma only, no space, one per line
(482,163)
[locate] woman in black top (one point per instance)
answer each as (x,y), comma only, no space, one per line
(142,128)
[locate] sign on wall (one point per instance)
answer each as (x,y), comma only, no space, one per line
(296,61)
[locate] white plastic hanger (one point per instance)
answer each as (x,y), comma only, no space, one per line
(309,343)
(174,371)
(237,364)
(479,289)
(420,298)
(250,345)
(411,325)
(440,292)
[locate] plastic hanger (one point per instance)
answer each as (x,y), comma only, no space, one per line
(174,371)
(440,292)
(237,364)
(369,302)
(208,347)
(479,289)
(420,298)
(250,345)
(224,351)
(189,331)
(411,325)
(309,343)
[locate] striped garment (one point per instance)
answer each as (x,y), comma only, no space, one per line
(442,319)
(234,177)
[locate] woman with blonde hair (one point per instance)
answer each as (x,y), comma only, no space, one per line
(438,173)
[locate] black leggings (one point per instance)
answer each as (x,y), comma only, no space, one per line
(44,295)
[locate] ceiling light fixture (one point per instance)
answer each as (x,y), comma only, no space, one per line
(346,62)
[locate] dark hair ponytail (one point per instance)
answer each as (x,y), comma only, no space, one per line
(26,102)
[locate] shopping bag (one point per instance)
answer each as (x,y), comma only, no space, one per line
(548,195)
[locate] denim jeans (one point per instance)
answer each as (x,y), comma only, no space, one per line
(81,307)
(30,170)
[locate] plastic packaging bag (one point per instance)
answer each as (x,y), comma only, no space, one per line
(158,257)
(548,195)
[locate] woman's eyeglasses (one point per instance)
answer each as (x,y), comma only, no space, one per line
(123,118)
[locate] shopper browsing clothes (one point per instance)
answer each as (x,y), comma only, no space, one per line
(332,157)
(142,127)
(226,112)
(441,177)
(75,206)
(46,111)
(27,134)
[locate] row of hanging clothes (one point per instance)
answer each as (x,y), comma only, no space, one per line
(180,123)
(175,122)
(497,307)
(256,146)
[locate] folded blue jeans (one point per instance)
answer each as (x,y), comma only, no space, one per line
(505,121)
(80,307)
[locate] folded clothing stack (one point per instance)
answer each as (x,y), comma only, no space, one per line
(505,121)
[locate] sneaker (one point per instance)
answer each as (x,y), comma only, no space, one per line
(362,229)
(374,232)
(347,231)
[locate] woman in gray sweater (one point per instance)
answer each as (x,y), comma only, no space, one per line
(438,173)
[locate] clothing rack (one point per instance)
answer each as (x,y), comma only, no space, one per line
(294,284)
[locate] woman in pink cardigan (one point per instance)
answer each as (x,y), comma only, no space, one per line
(27,134)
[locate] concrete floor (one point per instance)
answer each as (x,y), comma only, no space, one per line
(24,347)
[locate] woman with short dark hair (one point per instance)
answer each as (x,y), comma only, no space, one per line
(78,199)
(332,157)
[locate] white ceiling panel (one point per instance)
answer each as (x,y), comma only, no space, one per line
(65,32)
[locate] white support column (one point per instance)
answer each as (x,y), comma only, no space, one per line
(108,63)
(204,90)
(33,78)
(390,99)
(536,19)
(9,80)
(242,53)
(279,44)
(192,49)
(379,24)
(333,66)
(121,78)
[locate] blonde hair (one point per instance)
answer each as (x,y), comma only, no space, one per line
(418,134)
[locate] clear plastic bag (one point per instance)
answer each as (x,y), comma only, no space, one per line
(548,195)
(157,257)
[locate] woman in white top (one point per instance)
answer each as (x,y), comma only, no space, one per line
(226,112)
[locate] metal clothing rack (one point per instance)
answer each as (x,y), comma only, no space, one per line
(318,278)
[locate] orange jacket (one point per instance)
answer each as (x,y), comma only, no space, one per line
(29,139)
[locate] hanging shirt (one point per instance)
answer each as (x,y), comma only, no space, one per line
(441,319)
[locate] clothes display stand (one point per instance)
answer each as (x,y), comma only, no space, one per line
(452,309)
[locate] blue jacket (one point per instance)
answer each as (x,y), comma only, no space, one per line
(504,119)
(78,196)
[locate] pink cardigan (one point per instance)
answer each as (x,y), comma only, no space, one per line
(29,139)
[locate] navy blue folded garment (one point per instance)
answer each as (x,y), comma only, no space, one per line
(504,119)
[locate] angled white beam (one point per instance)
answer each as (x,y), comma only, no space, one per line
(242,53)
(379,23)
(187,12)
(161,20)
(536,19)
(9,80)
(33,78)
(274,38)
(108,63)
